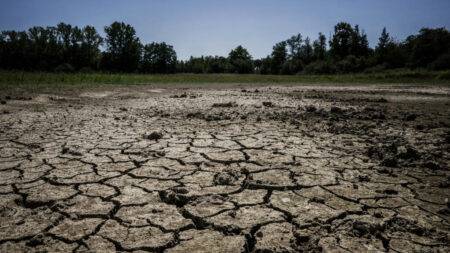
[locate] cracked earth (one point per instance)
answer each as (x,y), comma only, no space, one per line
(267,169)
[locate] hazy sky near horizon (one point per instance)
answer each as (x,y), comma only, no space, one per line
(214,27)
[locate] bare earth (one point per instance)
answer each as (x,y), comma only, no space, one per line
(243,169)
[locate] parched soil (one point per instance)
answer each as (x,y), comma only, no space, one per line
(267,169)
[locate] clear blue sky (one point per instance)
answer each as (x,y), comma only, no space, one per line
(213,27)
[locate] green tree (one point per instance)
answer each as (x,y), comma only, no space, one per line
(297,48)
(340,44)
(294,45)
(388,52)
(306,51)
(240,61)
(216,64)
(263,66)
(426,47)
(64,34)
(123,49)
(348,41)
(44,48)
(90,47)
(320,47)
(279,57)
(159,58)
(359,43)
(14,50)
(384,40)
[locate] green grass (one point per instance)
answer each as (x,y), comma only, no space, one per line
(40,81)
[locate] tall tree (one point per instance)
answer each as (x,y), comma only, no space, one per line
(340,44)
(123,49)
(384,40)
(320,47)
(428,46)
(348,41)
(91,42)
(44,48)
(240,60)
(279,57)
(307,51)
(14,50)
(159,58)
(294,45)
(385,44)
(362,44)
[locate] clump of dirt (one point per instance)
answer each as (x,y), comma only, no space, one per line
(447,137)
(195,115)
(411,117)
(217,117)
(394,154)
(362,228)
(336,110)
(225,178)
(154,136)
(432,165)
(70,151)
(224,105)
(173,198)
(311,108)
(184,95)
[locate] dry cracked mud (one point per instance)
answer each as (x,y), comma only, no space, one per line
(243,169)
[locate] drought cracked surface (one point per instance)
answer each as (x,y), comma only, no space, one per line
(267,169)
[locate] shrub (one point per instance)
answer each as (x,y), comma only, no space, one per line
(441,63)
(320,67)
(86,70)
(376,69)
(64,68)
(444,76)
(351,64)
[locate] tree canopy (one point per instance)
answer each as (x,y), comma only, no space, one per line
(71,48)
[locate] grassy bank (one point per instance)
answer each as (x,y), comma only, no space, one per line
(45,81)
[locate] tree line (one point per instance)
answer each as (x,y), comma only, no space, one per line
(67,48)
